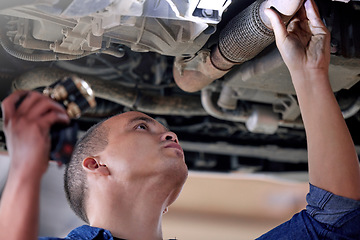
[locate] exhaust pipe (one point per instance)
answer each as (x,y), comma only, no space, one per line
(115,92)
(242,39)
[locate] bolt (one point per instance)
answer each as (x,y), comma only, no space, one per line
(121,49)
(22,41)
(65,31)
(207,12)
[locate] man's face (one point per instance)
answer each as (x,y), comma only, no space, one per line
(140,148)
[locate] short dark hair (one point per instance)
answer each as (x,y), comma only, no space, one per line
(92,142)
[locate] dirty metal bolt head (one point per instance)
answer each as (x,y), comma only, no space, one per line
(207,12)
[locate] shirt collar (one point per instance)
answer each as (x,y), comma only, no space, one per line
(87,232)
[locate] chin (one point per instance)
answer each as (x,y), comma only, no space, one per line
(173,178)
(177,172)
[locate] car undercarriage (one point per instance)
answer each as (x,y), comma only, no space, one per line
(136,56)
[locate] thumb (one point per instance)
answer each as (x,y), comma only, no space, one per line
(277,24)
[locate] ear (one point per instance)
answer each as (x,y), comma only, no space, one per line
(92,165)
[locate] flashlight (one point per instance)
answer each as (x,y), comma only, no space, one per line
(76,96)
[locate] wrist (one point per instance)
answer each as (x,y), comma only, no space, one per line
(25,177)
(310,76)
(309,73)
(311,83)
(26,171)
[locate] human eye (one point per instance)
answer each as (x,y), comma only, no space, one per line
(141,126)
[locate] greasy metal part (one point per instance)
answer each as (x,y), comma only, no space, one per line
(211,109)
(113,52)
(263,125)
(254,95)
(288,106)
(285,7)
(193,74)
(270,152)
(64,51)
(244,37)
(219,61)
(268,72)
(78,39)
(114,92)
(78,8)
(9,4)
(250,32)
(262,120)
(171,27)
(298,124)
(228,98)
(285,104)
(351,111)
(8,46)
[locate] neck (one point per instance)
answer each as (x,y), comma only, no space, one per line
(137,215)
(132,224)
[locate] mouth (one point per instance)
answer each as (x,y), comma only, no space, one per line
(175,145)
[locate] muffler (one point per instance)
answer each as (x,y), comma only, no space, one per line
(245,36)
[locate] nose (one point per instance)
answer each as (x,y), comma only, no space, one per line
(169,136)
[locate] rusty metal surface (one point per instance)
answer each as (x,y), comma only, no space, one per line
(269,73)
(115,92)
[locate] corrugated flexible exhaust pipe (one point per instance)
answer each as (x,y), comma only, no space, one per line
(242,39)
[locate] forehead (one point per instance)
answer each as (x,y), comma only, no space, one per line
(124,119)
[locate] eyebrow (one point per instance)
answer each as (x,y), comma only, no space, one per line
(147,120)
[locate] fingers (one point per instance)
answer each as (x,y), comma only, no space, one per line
(8,106)
(313,15)
(312,11)
(41,106)
(277,24)
(34,107)
(29,103)
(52,117)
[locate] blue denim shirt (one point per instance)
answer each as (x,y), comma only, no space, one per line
(85,232)
(327,216)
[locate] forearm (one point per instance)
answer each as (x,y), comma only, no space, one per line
(26,128)
(333,162)
(19,209)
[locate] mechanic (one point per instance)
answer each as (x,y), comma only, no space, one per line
(127,170)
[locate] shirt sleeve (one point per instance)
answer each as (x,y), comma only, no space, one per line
(328,208)
(327,216)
